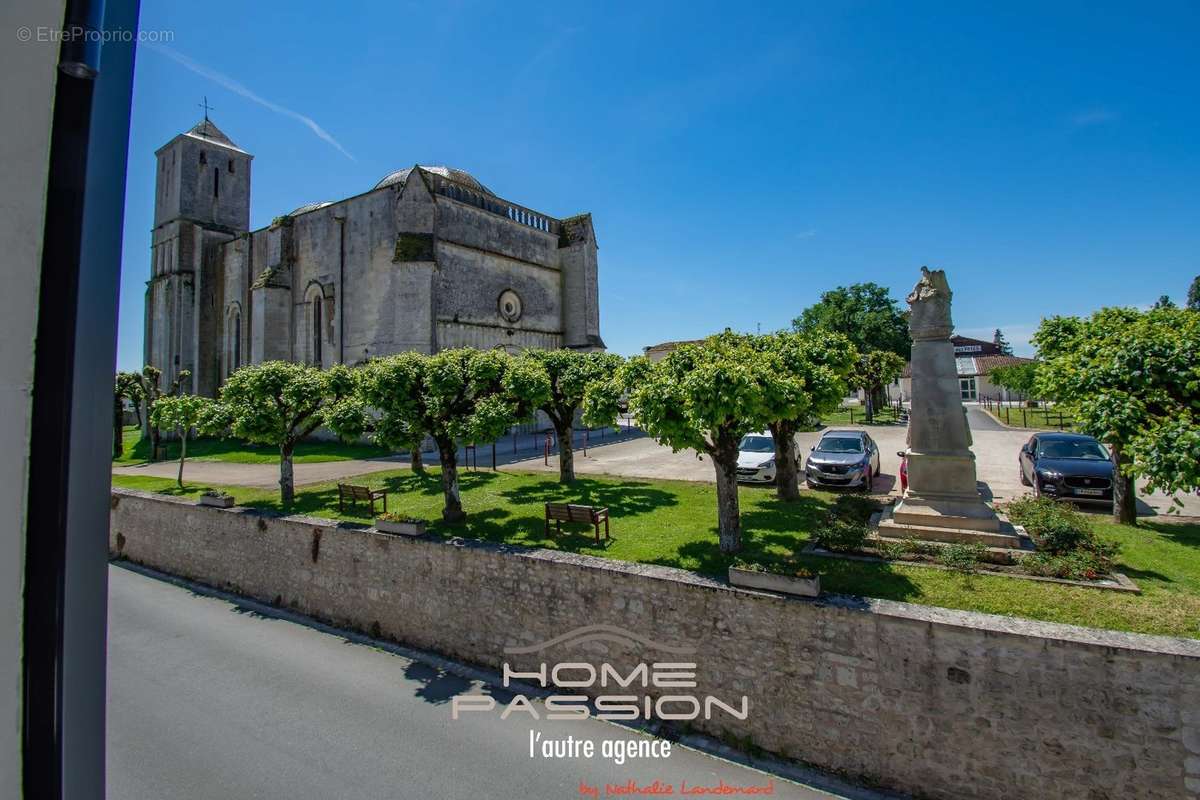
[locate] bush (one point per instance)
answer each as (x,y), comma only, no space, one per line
(1054,527)
(1078,566)
(962,558)
(789,568)
(840,534)
(854,507)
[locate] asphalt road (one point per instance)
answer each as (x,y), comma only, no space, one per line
(208,698)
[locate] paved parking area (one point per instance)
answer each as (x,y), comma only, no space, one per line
(632,454)
(995,448)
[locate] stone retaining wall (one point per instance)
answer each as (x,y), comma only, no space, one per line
(933,702)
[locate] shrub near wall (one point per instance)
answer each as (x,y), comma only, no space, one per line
(934,702)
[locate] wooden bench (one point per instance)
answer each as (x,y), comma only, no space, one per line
(564,512)
(366,494)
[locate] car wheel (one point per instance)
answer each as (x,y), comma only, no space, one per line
(1024,480)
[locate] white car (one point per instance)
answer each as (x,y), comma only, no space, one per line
(756,458)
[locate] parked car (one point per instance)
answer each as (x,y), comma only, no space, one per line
(843,458)
(1067,466)
(756,458)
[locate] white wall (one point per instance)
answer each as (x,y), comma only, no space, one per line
(25,109)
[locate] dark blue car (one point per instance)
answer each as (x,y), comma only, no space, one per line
(1067,466)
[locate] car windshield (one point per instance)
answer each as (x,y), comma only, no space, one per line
(1091,451)
(757,444)
(840,444)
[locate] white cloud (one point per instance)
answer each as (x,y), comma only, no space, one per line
(807,233)
(239,89)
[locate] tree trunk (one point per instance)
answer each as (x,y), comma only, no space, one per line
(453,511)
(1124,491)
(155,440)
(415,461)
(869,399)
(787,470)
(118,427)
(729,521)
(566,453)
(182,454)
(287,481)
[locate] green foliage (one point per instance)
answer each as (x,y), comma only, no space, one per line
(820,361)
(707,396)
(1082,565)
(1133,380)
(855,507)
(1164,301)
(129,386)
(279,403)
(876,369)
(774,567)
(1018,378)
(999,340)
(1193,296)
(864,313)
(841,534)
(413,247)
(559,381)
(962,558)
(186,412)
(1054,527)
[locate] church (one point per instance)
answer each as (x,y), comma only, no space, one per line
(427,259)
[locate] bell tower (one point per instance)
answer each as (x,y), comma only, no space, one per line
(201,199)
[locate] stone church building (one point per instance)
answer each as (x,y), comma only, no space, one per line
(427,259)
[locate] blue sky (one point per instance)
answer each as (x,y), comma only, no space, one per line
(738,160)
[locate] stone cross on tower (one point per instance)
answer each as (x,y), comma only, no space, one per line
(942,502)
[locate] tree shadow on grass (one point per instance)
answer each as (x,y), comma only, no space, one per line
(621,498)
(1184,533)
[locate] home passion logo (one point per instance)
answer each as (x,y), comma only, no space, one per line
(605,691)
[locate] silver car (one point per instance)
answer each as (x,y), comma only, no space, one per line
(844,459)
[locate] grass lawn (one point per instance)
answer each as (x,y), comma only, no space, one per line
(674,523)
(857,415)
(1040,418)
(137,451)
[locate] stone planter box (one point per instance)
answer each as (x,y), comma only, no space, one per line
(786,584)
(400,528)
(223,501)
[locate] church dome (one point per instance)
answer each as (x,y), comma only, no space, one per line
(309,207)
(457,175)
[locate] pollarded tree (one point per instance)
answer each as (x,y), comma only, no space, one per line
(392,388)
(706,397)
(568,376)
(185,413)
(151,380)
(1020,379)
(1133,380)
(455,395)
(823,362)
(875,370)
(279,403)
(128,386)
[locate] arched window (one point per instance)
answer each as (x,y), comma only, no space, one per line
(318,301)
(315,312)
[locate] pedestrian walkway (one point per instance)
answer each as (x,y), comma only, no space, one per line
(508,450)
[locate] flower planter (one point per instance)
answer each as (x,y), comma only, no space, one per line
(219,501)
(400,528)
(786,584)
